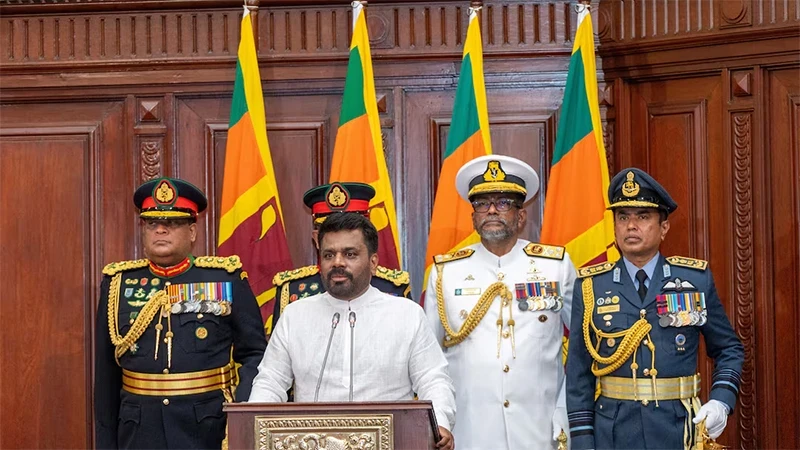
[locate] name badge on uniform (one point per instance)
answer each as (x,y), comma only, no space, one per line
(468,291)
(210,297)
(681,309)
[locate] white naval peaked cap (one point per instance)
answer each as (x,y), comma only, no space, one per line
(496,173)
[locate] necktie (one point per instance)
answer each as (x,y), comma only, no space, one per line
(640,277)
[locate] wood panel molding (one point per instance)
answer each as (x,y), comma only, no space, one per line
(115,40)
(743,282)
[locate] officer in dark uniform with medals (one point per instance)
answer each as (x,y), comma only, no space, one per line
(305,281)
(636,327)
(165,329)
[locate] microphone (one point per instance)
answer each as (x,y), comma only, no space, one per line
(334,322)
(352,319)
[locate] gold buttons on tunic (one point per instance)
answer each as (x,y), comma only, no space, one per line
(200,316)
(506,368)
(645,402)
(165,371)
(543,318)
(506,334)
(611,342)
(506,403)
(201,333)
(463,314)
(165,402)
(646,372)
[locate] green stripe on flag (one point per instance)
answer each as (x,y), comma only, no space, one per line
(239,104)
(576,120)
(465,110)
(353,99)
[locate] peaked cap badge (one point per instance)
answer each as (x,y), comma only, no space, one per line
(630,188)
(494,172)
(337,197)
(164,192)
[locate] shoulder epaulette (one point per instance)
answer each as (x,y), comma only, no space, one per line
(454,256)
(229,263)
(691,263)
(394,276)
(544,251)
(595,269)
(294,274)
(116,267)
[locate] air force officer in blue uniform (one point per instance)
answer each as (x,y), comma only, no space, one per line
(636,327)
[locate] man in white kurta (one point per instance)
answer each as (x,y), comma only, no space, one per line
(395,353)
(509,379)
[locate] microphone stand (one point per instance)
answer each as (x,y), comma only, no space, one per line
(334,322)
(352,328)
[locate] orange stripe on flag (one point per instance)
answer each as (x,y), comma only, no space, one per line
(584,159)
(355,134)
(243,164)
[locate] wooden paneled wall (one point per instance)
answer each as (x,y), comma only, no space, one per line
(100,95)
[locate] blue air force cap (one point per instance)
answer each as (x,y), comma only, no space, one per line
(635,188)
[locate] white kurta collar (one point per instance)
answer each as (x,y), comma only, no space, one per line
(356,304)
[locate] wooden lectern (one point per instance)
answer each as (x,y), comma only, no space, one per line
(407,425)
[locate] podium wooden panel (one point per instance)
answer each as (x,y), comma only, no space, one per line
(408,425)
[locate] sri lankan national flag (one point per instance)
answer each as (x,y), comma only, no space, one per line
(575,214)
(358,152)
(451,222)
(251,222)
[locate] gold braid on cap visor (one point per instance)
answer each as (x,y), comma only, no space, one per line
(496,186)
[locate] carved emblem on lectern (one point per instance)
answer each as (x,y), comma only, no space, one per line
(354,432)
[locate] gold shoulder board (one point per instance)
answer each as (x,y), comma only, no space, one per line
(396,277)
(595,269)
(544,251)
(229,263)
(449,257)
(691,263)
(116,267)
(294,274)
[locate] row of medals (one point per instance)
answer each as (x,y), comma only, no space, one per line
(212,307)
(683,318)
(540,303)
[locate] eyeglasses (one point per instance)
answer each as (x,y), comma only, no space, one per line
(501,205)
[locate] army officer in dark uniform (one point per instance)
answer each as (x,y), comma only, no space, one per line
(165,328)
(636,327)
(305,281)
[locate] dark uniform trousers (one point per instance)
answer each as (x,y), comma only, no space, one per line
(626,424)
(201,342)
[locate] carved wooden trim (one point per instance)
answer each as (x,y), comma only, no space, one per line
(126,36)
(150,154)
(608,142)
(743,284)
(741,83)
(735,14)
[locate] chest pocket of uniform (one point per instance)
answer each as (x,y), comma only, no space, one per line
(197,332)
(543,324)
(609,325)
(680,340)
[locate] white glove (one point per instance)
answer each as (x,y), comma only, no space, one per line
(716,414)
(560,422)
